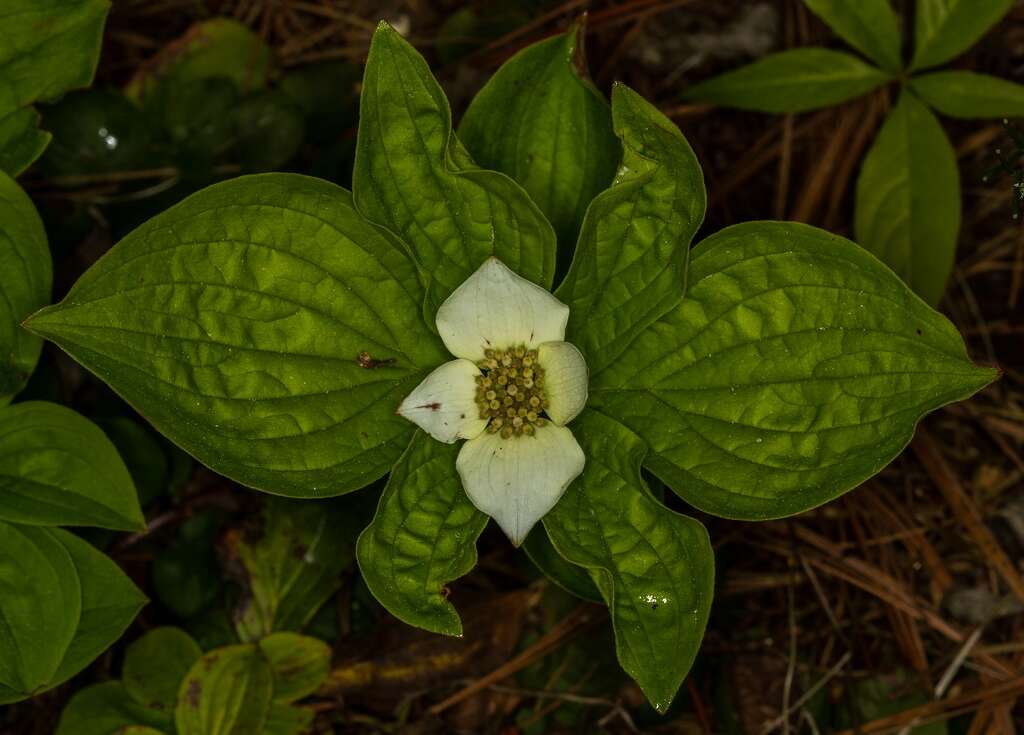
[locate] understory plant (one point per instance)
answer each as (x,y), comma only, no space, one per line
(907,205)
(308,341)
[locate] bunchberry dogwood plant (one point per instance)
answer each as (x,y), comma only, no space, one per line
(507,321)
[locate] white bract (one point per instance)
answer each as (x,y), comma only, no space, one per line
(514,387)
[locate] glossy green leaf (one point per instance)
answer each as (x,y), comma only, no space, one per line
(630,263)
(108,709)
(284,719)
(907,208)
(797,80)
(655,567)
(414,177)
(263,326)
(40,605)
(565,574)
(26,277)
(968,95)
(870,26)
(423,537)
(47,48)
(227,692)
(299,664)
(944,29)
(541,121)
(21,140)
(291,566)
(796,367)
(156,664)
(58,468)
(110,602)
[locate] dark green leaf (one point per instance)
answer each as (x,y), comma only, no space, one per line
(565,574)
(40,605)
(969,95)
(907,210)
(21,140)
(156,664)
(796,367)
(630,263)
(541,121)
(870,26)
(290,566)
(227,692)
(326,92)
(284,719)
(58,468)
(108,709)
(300,664)
(797,80)
(269,131)
(26,276)
(185,574)
(414,177)
(423,537)
(944,29)
(143,455)
(655,567)
(235,322)
(110,602)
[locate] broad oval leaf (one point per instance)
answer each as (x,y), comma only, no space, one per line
(797,80)
(423,537)
(907,208)
(110,602)
(796,368)
(58,468)
(26,277)
(40,605)
(413,176)
(655,567)
(299,664)
(968,95)
(227,692)
(540,120)
(943,29)
(870,26)
(108,709)
(630,263)
(156,664)
(291,565)
(21,140)
(262,325)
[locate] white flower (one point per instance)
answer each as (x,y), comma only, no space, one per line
(514,387)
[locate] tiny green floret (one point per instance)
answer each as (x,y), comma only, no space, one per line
(510,392)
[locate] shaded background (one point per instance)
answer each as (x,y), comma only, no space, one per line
(899,604)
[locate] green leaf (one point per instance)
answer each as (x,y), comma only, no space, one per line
(110,602)
(285,719)
(797,80)
(413,177)
(654,567)
(26,277)
(630,263)
(299,664)
(870,26)
(541,121)
(555,567)
(291,566)
(423,537)
(907,208)
(58,468)
(970,96)
(185,574)
(47,48)
(943,29)
(40,605)
(156,664)
(21,140)
(796,368)
(227,692)
(269,131)
(108,709)
(235,322)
